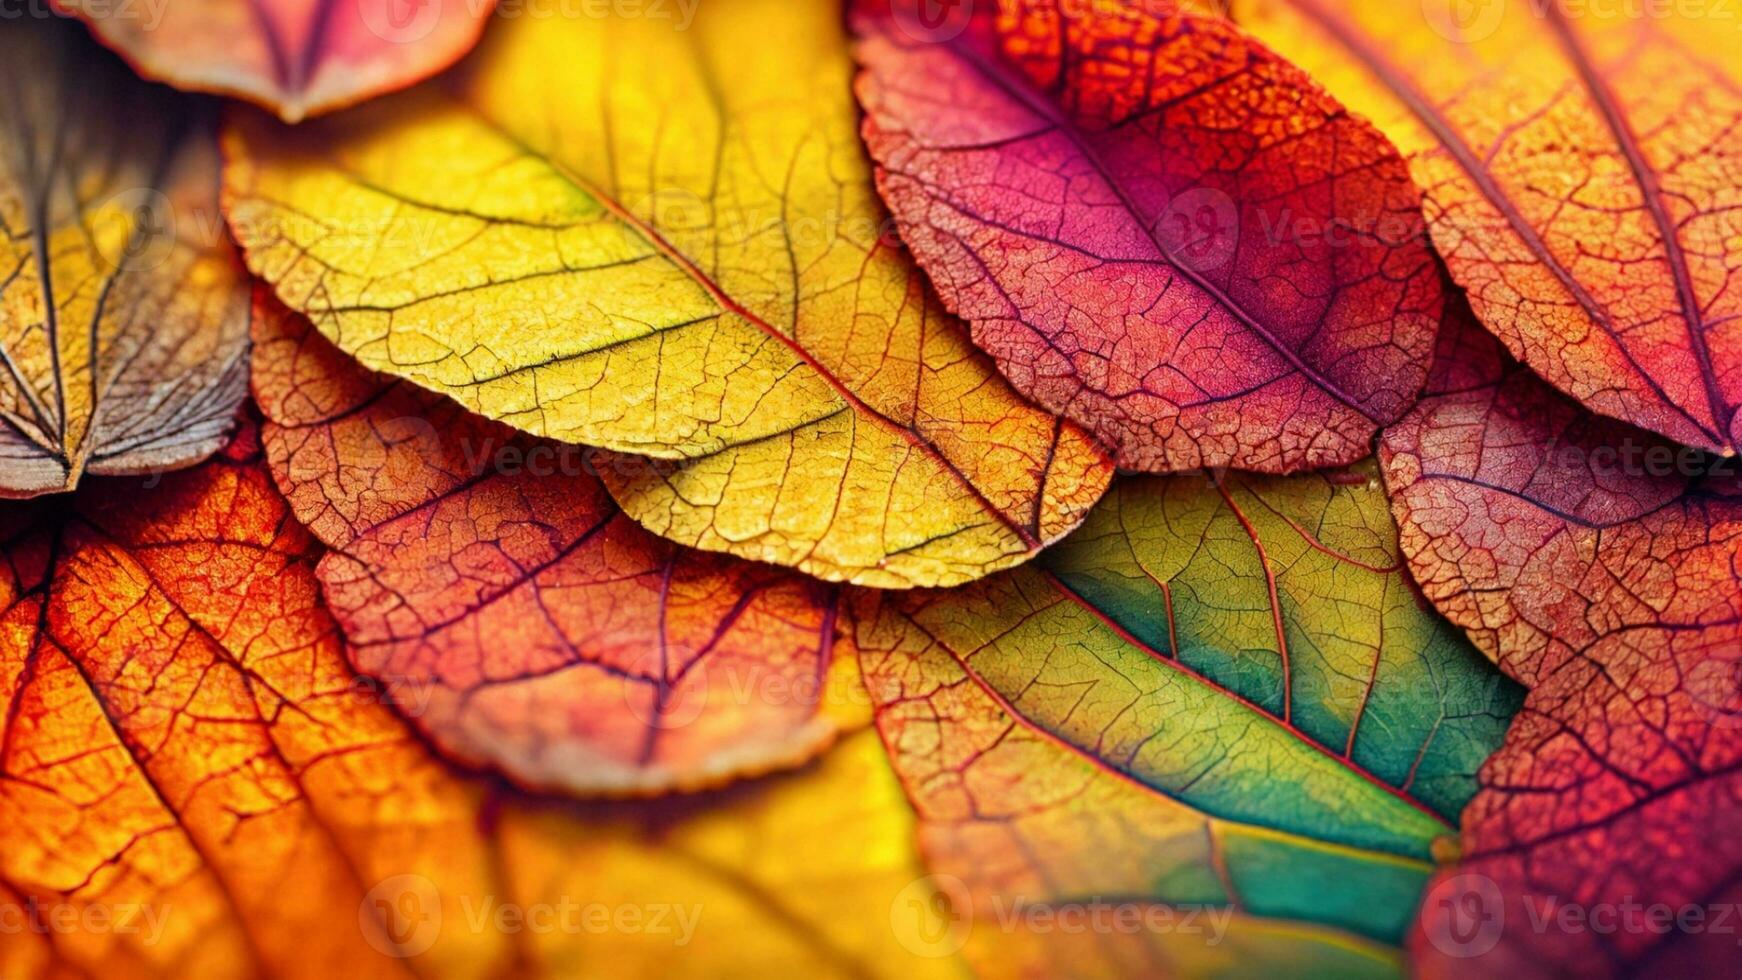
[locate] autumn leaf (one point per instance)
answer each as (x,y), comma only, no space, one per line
(189,770)
(1598,564)
(180,739)
(293,57)
(123,311)
(1545,530)
(605,231)
(1157,227)
(813,873)
(1578,172)
(488,582)
(1220,695)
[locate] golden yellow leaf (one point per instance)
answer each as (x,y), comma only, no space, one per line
(667,243)
(123,310)
(813,874)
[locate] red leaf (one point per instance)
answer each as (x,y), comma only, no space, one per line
(1156,226)
(1600,565)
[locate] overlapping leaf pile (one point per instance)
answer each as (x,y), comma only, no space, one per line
(683,470)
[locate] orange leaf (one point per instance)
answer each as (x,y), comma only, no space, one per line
(193,783)
(181,744)
(1602,566)
(291,56)
(1579,167)
(516,614)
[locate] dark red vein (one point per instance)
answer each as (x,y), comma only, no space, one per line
(1275,602)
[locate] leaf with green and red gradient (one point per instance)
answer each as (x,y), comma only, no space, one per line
(1220,694)
(1601,565)
(1156,226)
(291,56)
(488,581)
(1578,164)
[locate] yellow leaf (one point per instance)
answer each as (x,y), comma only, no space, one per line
(611,232)
(804,875)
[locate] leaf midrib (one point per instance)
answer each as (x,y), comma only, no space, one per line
(1126,636)
(1102,766)
(1029,538)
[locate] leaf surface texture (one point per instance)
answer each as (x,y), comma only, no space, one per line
(607,232)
